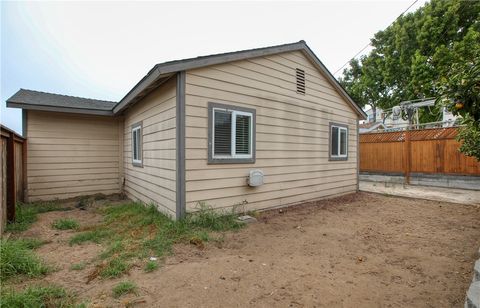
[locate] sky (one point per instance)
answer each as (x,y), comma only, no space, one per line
(102,49)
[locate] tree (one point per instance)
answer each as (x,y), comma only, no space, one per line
(410,56)
(459,92)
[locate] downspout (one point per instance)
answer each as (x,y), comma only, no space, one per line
(180,151)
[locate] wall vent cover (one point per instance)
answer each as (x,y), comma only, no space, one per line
(300,81)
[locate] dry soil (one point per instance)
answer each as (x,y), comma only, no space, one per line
(360,250)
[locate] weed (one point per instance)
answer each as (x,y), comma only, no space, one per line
(17,258)
(65,224)
(137,231)
(37,296)
(123,288)
(95,236)
(26,214)
(215,221)
(115,268)
(78,267)
(151,266)
(116,247)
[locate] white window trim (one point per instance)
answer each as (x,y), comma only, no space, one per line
(139,146)
(233,132)
(339,155)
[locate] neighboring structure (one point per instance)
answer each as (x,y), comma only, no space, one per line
(194,130)
(386,121)
(371,127)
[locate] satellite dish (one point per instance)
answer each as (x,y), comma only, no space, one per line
(396,112)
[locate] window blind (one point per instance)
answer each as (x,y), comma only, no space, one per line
(223,132)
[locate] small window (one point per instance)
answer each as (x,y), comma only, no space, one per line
(137,145)
(338,142)
(231,134)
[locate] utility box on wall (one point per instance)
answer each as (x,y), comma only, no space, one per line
(255,178)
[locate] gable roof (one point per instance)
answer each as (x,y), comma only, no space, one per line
(162,71)
(37,100)
(159,74)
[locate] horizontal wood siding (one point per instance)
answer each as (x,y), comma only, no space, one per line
(71,155)
(291,134)
(154,182)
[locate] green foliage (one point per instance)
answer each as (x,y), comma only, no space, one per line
(95,236)
(17,258)
(469,135)
(37,296)
(151,266)
(78,267)
(115,268)
(412,54)
(26,214)
(65,224)
(123,288)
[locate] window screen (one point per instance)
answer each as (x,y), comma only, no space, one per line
(223,132)
(242,134)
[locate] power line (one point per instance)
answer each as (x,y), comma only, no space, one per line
(366,46)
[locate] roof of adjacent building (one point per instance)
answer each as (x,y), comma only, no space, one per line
(157,75)
(30,99)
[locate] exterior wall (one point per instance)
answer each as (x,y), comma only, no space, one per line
(71,155)
(154,181)
(291,134)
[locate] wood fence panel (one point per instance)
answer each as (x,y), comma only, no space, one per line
(433,151)
(13,174)
(3,185)
(387,158)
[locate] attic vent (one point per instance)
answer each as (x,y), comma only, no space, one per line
(300,81)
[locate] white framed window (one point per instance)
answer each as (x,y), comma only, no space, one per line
(338,142)
(137,140)
(231,134)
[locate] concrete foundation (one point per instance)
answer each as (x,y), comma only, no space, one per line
(422,179)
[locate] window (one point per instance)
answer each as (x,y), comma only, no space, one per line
(338,142)
(137,144)
(231,134)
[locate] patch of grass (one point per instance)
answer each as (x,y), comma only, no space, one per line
(37,296)
(151,266)
(123,288)
(17,258)
(134,230)
(26,214)
(115,248)
(78,266)
(65,224)
(115,268)
(95,236)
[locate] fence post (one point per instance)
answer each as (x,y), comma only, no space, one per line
(407,156)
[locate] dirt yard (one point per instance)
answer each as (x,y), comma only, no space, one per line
(361,250)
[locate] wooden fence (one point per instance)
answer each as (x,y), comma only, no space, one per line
(431,151)
(13,173)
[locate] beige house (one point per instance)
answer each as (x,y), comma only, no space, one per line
(260,128)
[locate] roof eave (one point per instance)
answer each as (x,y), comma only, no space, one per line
(59,109)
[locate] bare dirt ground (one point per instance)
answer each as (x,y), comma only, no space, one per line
(361,250)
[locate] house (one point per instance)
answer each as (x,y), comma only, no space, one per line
(369,127)
(193,130)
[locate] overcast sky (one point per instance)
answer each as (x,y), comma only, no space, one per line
(102,49)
